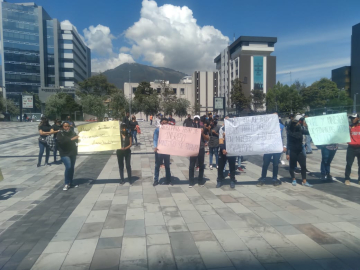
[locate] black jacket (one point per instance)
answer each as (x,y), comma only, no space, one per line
(188,122)
(295,138)
(66,146)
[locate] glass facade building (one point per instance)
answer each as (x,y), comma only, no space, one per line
(38,51)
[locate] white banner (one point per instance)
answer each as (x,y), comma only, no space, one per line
(27,102)
(253,135)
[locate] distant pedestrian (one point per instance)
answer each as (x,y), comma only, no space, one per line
(159,158)
(171,120)
(44,131)
(55,129)
(214,144)
(295,151)
(151,119)
(188,121)
(67,140)
(70,122)
(158,120)
(353,149)
(124,153)
(126,121)
(133,129)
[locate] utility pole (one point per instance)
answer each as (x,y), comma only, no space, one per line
(130,91)
(290,77)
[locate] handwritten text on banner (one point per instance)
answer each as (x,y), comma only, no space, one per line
(253,135)
(328,129)
(101,136)
(179,141)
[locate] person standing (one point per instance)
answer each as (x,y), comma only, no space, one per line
(276,160)
(55,129)
(214,144)
(133,129)
(70,122)
(223,158)
(67,140)
(171,120)
(200,157)
(295,149)
(159,158)
(353,149)
(188,122)
(44,131)
(124,153)
(158,120)
(151,119)
(327,154)
(126,121)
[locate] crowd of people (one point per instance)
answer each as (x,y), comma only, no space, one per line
(295,138)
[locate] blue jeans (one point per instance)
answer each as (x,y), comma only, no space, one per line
(214,151)
(134,133)
(326,158)
(69,163)
(42,147)
(266,163)
(158,159)
(308,144)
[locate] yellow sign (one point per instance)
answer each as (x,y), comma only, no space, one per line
(103,136)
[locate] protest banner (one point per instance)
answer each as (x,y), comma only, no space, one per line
(179,141)
(101,136)
(328,129)
(253,135)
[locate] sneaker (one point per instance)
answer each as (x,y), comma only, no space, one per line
(122,182)
(260,183)
(232,184)
(38,165)
(347,182)
(47,164)
(297,171)
(276,182)
(210,167)
(330,178)
(240,169)
(217,167)
(306,184)
(323,177)
(202,183)
(307,171)
(294,182)
(197,168)
(73,186)
(191,184)
(155,183)
(66,187)
(218,184)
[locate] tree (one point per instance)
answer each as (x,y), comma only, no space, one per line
(238,98)
(258,99)
(299,86)
(2,104)
(284,98)
(118,104)
(11,107)
(143,90)
(196,108)
(168,98)
(342,100)
(181,107)
(97,85)
(60,103)
(151,105)
(319,93)
(94,105)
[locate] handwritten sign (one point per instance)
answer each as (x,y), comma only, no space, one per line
(328,129)
(101,136)
(179,141)
(253,135)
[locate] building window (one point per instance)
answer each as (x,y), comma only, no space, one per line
(134,89)
(182,91)
(158,90)
(174,89)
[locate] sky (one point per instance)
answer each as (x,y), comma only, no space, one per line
(314,36)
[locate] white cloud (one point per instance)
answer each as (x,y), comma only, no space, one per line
(99,39)
(103,64)
(169,36)
(124,49)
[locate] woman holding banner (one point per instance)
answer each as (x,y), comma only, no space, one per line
(295,150)
(124,153)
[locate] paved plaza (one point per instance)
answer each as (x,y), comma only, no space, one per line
(104,225)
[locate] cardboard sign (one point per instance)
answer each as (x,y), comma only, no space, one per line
(253,135)
(103,136)
(179,141)
(329,129)
(27,102)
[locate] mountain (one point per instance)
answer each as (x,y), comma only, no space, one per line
(141,73)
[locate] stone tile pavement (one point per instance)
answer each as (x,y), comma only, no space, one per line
(103,225)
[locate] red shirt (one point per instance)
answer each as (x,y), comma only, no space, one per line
(355,135)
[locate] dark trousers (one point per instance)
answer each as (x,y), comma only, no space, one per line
(200,158)
(150,122)
(326,158)
(69,163)
(222,161)
(121,155)
(159,158)
(266,163)
(351,153)
(55,149)
(42,147)
(297,156)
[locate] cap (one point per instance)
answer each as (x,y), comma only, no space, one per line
(354,115)
(298,117)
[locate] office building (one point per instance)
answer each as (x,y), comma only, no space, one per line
(248,59)
(205,87)
(40,55)
(355,61)
(342,77)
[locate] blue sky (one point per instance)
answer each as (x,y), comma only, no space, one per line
(313,36)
